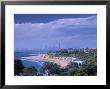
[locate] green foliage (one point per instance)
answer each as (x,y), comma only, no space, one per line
(87,69)
(18,66)
(91,68)
(91,63)
(72,65)
(31,71)
(19,69)
(63,74)
(76,72)
(52,68)
(71,72)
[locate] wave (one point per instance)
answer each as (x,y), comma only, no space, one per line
(22,58)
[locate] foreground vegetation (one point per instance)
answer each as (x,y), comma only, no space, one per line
(89,68)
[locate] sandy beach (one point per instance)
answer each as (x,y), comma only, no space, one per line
(46,57)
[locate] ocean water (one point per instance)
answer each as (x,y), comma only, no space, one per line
(27,62)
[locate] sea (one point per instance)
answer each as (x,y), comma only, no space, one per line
(27,62)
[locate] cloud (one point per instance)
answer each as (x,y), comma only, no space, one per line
(52,25)
(50,28)
(68,30)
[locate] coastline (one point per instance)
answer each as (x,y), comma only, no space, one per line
(49,58)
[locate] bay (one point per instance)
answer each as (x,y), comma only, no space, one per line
(28,62)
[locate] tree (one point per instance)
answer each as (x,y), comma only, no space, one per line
(29,71)
(72,65)
(18,66)
(81,72)
(51,68)
(71,71)
(91,68)
(77,72)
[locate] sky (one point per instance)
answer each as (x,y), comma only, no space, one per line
(54,31)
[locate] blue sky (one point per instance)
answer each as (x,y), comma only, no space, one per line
(47,31)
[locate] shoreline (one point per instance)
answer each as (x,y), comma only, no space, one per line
(49,58)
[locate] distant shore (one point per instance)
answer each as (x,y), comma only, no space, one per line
(46,57)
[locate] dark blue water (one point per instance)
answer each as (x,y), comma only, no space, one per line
(18,55)
(28,63)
